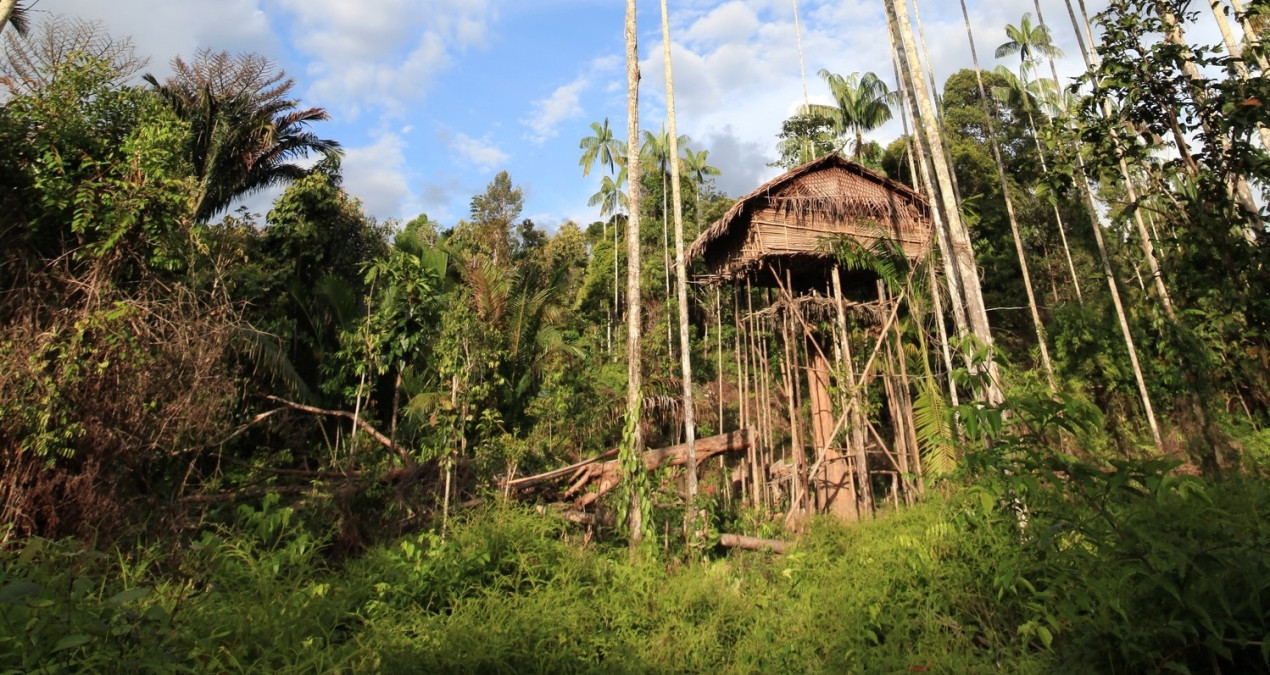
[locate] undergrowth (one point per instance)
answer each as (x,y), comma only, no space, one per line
(953,585)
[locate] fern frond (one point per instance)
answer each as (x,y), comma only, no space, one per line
(932,417)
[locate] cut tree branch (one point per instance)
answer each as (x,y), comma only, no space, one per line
(753,543)
(383,440)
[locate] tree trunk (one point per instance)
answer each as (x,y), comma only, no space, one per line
(943,194)
(1236,53)
(1009,206)
(6,11)
(681,290)
(753,543)
(1250,31)
(922,181)
(634,395)
(607,475)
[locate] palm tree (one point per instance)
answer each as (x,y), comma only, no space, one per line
(861,103)
(698,169)
(634,440)
(244,132)
(692,529)
(1018,91)
(602,147)
(606,149)
(1030,42)
(610,198)
(1009,205)
(961,250)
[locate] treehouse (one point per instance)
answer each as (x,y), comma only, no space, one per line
(813,339)
(776,231)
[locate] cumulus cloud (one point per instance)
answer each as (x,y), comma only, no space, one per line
(480,152)
(233,25)
(742,164)
(384,53)
(376,174)
(549,112)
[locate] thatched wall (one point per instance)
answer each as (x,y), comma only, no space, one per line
(783,221)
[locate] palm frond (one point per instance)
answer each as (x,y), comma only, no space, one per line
(269,358)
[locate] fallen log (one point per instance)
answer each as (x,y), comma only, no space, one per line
(527,481)
(753,543)
(608,474)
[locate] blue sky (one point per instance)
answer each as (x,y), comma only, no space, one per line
(431,98)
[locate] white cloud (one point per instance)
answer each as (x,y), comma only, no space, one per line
(742,164)
(376,174)
(233,25)
(549,112)
(480,152)
(386,53)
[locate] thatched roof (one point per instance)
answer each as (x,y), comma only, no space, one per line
(788,215)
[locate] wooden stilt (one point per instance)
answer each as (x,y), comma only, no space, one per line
(759,466)
(841,495)
(740,388)
(916,484)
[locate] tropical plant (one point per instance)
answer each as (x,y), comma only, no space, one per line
(698,169)
(14,13)
(1031,42)
(601,147)
(245,134)
(862,103)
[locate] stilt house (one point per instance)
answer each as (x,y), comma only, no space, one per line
(773,239)
(780,225)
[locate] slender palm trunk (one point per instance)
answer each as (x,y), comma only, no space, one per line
(1095,219)
(6,11)
(920,180)
(634,396)
(665,259)
(1237,55)
(1250,32)
(1148,249)
(681,290)
(1173,34)
(1009,205)
(958,236)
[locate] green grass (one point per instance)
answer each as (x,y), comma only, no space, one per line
(950,586)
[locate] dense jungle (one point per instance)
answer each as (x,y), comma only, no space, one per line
(306,440)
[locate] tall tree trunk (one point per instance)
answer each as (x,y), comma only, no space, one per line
(634,395)
(1058,216)
(943,196)
(1237,54)
(1009,205)
(922,181)
(1173,34)
(681,290)
(1250,31)
(919,180)
(1095,219)
(1148,249)
(6,11)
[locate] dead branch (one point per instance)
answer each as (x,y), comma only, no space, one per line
(236,432)
(608,474)
(557,473)
(383,440)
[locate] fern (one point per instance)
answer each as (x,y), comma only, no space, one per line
(933,420)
